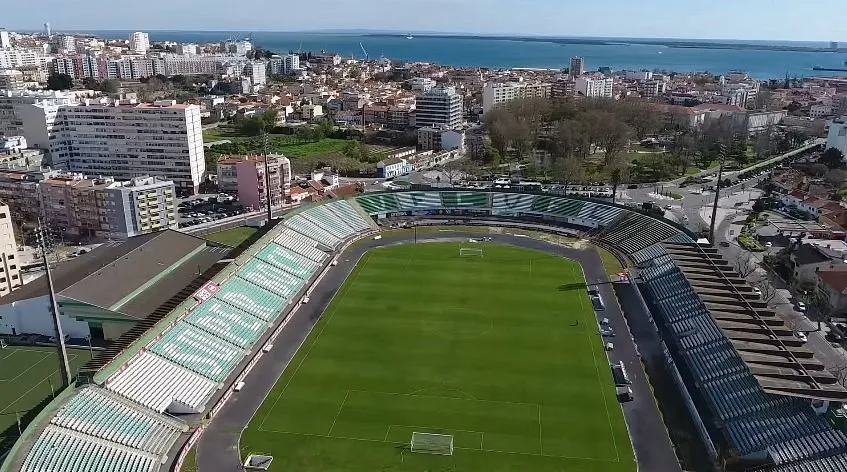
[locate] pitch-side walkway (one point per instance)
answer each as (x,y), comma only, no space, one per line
(217,450)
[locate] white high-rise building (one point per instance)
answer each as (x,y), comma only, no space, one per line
(139,42)
(15,58)
(127,139)
(33,116)
(5,40)
(494,95)
(186,49)
(594,87)
(441,106)
(284,65)
(257,71)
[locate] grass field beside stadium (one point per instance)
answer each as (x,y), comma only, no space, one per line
(499,351)
(26,376)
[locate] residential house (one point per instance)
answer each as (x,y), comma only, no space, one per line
(393,167)
(816,255)
(832,287)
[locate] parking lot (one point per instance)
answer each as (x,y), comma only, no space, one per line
(207,208)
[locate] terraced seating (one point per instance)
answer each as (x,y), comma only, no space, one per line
(58,449)
(694,331)
(250,298)
(227,322)
(715,360)
(512,202)
(680,238)
(558,206)
(740,395)
(311,230)
(807,447)
(346,212)
(418,200)
(758,431)
(329,222)
(379,203)
(198,351)
(300,244)
(157,383)
(96,412)
(650,233)
(464,199)
(270,278)
(602,214)
(648,253)
(288,260)
(824,464)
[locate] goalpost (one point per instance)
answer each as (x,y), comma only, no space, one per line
(429,443)
(467,251)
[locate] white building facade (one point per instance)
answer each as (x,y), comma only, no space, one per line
(837,137)
(139,42)
(128,140)
(494,95)
(441,106)
(594,87)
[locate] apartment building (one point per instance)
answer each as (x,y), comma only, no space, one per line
(125,139)
(77,206)
(441,106)
(11,80)
(19,190)
(495,95)
(139,42)
(245,175)
(577,66)
(10,272)
(257,71)
(283,65)
(15,58)
(33,116)
(594,87)
(432,138)
(192,64)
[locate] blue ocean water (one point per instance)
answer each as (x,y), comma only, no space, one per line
(499,53)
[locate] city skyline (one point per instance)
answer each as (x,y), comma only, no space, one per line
(776,19)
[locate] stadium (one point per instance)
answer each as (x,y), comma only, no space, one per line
(333,341)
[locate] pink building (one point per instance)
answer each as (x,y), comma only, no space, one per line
(247,173)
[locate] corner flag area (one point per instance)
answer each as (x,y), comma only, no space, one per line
(427,360)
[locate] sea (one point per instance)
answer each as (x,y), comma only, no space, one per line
(501,53)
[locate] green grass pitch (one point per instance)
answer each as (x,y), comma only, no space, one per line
(500,351)
(26,375)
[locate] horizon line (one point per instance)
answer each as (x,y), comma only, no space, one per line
(354,31)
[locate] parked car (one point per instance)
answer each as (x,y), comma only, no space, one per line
(801,307)
(801,336)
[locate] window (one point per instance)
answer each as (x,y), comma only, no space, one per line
(15,277)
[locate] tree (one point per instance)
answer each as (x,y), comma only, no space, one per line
(453,170)
(60,82)
(768,291)
(110,86)
(744,264)
(616,179)
(832,158)
(836,177)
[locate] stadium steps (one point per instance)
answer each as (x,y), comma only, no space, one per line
(300,244)
(158,383)
(344,210)
(287,260)
(96,412)
(87,371)
(198,351)
(378,203)
(308,229)
(227,322)
(60,449)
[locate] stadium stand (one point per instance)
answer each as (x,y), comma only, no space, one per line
(58,449)
(694,299)
(122,426)
(98,413)
(161,385)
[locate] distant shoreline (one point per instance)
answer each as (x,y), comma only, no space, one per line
(670,43)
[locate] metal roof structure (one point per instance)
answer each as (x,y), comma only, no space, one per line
(779,361)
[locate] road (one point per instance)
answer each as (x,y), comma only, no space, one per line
(218,449)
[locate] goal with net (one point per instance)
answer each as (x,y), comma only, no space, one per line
(429,443)
(468,251)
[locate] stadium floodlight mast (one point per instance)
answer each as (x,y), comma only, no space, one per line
(717,194)
(64,368)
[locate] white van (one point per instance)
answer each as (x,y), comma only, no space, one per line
(238,387)
(610,346)
(267,347)
(377,237)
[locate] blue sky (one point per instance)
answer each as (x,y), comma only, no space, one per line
(822,20)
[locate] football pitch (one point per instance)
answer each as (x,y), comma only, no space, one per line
(501,352)
(28,375)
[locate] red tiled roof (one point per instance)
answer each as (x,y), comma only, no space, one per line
(837,279)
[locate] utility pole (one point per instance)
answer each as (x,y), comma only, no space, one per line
(717,194)
(64,368)
(267,174)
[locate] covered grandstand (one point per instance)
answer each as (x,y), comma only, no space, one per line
(754,390)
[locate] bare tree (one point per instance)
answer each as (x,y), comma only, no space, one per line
(453,170)
(768,291)
(744,264)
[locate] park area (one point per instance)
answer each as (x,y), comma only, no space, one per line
(493,350)
(29,376)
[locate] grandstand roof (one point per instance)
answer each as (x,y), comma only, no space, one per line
(132,277)
(779,361)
